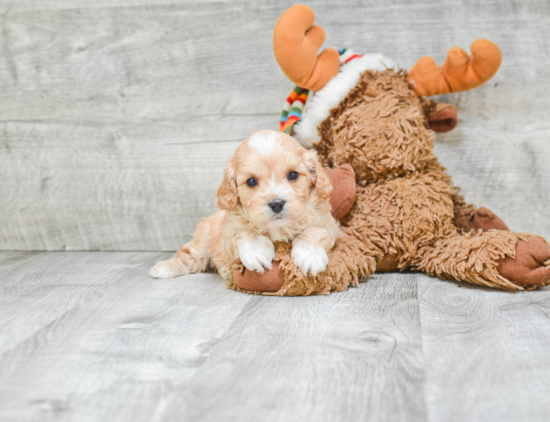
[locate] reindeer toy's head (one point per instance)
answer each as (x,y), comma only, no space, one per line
(365,111)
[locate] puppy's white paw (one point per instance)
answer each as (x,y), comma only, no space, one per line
(308,257)
(257,253)
(168,269)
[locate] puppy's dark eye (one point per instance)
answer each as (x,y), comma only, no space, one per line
(251,182)
(292,175)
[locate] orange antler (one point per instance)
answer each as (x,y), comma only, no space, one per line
(296,42)
(460,72)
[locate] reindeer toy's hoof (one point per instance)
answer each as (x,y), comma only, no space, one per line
(369,114)
(530,267)
(485,219)
(252,281)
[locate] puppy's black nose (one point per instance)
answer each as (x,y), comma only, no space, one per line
(277,206)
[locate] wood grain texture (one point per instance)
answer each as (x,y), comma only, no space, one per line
(354,356)
(485,352)
(88,336)
(116,117)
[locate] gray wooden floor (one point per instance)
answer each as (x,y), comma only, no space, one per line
(88,336)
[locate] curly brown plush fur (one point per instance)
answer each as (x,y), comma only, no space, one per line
(407,214)
(349,262)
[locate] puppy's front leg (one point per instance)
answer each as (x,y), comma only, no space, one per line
(309,250)
(256,252)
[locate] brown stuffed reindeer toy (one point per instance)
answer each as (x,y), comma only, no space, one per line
(407,214)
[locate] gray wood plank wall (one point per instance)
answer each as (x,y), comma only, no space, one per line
(116,117)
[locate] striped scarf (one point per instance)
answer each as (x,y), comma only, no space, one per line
(294,104)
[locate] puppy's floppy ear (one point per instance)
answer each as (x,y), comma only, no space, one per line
(323,185)
(227,192)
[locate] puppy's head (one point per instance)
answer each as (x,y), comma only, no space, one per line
(273,180)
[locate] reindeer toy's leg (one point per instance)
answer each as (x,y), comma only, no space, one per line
(504,259)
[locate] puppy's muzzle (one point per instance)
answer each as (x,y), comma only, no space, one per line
(277,206)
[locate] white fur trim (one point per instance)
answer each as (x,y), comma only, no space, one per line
(319,106)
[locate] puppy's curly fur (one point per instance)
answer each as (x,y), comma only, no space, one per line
(273,190)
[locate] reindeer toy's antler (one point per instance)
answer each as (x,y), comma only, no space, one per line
(296,42)
(460,72)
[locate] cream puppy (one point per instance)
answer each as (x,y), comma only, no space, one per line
(273,189)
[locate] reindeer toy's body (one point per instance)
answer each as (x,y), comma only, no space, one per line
(407,213)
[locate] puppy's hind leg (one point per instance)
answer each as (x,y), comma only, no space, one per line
(180,264)
(192,257)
